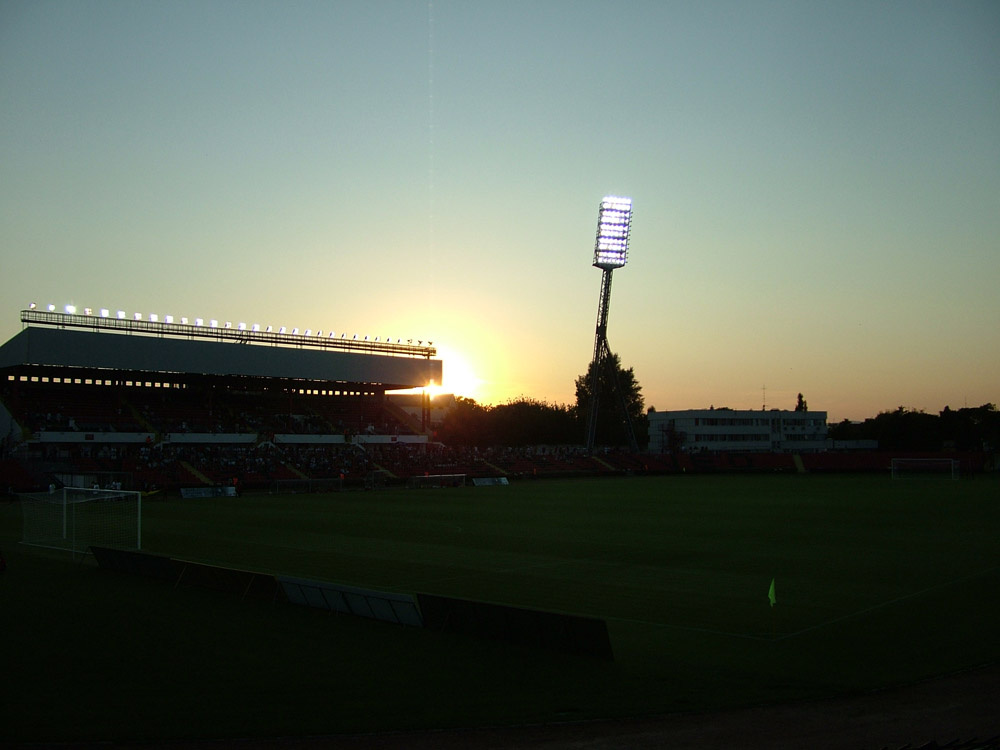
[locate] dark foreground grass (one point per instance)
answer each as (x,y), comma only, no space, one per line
(878,583)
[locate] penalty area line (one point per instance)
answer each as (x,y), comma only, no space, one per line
(888,603)
(688,628)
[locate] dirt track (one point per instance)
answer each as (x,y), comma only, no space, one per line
(958,711)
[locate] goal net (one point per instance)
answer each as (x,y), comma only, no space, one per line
(74,518)
(925,468)
(435,481)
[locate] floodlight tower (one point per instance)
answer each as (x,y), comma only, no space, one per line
(614,223)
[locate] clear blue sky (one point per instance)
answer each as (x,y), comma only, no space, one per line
(816,185)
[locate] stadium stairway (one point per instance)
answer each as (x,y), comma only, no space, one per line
(195,473)
(140,418)
(379,467)
(494,466)
(295,470)
(799,466)
(405,418)
(604,464)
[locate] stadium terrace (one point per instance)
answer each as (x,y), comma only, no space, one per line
(109,395)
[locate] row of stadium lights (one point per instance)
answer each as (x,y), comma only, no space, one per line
(200,323)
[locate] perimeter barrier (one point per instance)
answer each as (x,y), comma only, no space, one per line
(572,634)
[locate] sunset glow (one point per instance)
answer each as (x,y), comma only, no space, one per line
(815,183)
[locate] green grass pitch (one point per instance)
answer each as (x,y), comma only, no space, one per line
(878,583)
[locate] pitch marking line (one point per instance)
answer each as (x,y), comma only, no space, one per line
(888,603)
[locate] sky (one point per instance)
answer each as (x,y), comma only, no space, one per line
(816,185)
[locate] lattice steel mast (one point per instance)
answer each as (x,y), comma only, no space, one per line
(614,224)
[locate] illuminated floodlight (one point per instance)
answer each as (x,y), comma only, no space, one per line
(184,321)
(168,319)
(614,222)
(282,330)
(241,326)
(295,331)
(32,305)
(333,335)
(52,308)
(121,315)
(199,322)
(88,311)
(154,318)
(137,316)
(308,332)
(255,327)
(213,324)
(105,312)
(269,329)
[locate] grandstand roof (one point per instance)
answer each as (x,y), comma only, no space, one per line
(107,350)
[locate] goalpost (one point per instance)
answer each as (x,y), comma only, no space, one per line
(74,518)
(427,481)
(925,468)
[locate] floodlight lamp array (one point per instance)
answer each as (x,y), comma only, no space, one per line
(153,323)
(614,223)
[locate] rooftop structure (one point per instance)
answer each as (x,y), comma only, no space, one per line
(737,431)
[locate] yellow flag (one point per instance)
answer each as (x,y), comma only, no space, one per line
(770,594)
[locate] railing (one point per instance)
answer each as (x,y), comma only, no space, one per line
(226,332)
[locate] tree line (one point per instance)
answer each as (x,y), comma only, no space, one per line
(966,429)
(528,421)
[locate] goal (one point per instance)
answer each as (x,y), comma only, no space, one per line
(925,468)
(428,481)
(74,518)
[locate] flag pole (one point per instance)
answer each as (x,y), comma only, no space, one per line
(774,600)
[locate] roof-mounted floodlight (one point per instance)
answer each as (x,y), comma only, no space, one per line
(614,222)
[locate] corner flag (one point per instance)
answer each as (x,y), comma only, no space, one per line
(770,594)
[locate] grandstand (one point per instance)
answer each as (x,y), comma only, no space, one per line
(149,404)
(95,398)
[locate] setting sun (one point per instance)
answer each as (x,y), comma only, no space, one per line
(457,376)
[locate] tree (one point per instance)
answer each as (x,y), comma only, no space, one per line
(530,422)
(610,425)
(801,404)
(465,424)
(516,423)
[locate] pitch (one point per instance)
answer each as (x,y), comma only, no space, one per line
(877,583)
